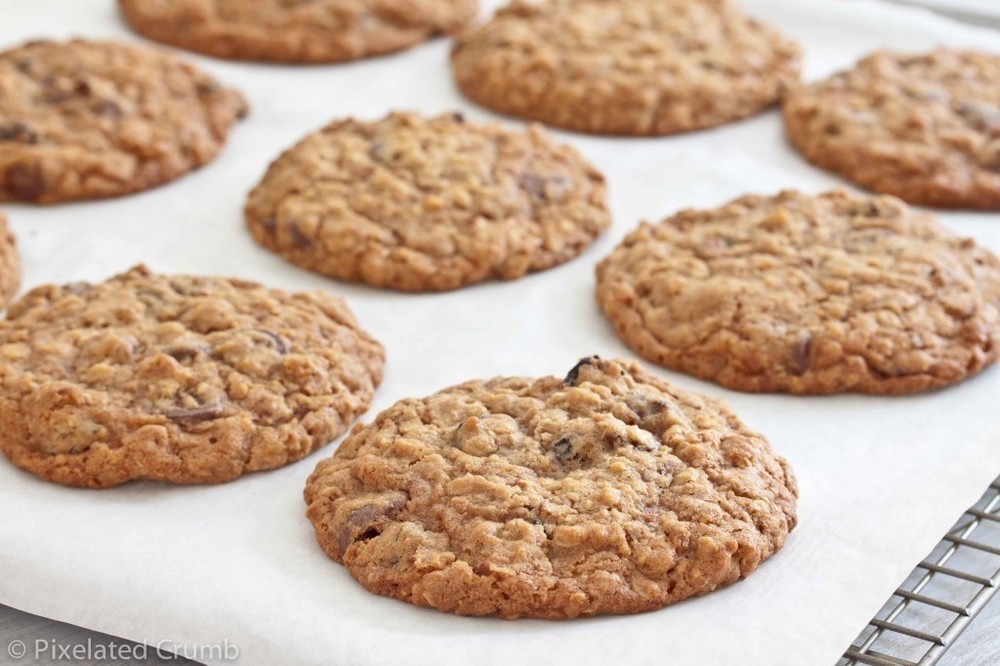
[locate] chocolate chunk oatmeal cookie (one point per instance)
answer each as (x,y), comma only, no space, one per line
(422,204)
(609,491)
(925,128)
(309,31)
(176,378)
(806,294)
(85,120)
(634,67)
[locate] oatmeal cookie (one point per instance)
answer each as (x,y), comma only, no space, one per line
(806,294)
(176,378)
(87,120)
(609,491)
(630,67)
(427,204)
(925,128)
(304,31)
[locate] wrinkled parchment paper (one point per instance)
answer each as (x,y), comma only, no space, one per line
(881,478)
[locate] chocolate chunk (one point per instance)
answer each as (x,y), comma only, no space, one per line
(612,441)
(108,109)
(188,416)
(301,241)
(366,522)
(542,188)
(184,351)
(716,245)
(574,374)
(18,132)
(563,450)
(645,407)
(208,87)
(800,355)
(532,184)
(982,117)
(56,95)
(379,151)
(458,117)
(870,209)
(580,451)
(214,88)
(277,341)
(270,224)
(25,181)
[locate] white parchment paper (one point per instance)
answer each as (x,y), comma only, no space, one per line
(881,478)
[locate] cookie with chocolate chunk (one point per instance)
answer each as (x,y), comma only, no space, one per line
(806,294)
(609,491)
(925,128)
(10,263)
(631,67)
(308,31)
(176,378)
(427,204)
(86,120)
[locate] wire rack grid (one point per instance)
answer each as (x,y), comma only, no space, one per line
(942,595)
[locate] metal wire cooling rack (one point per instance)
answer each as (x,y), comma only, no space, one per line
(942,595)
(955,14)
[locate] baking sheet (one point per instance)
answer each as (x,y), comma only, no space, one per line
(881,478)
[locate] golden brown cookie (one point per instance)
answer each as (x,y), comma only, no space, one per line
(609,491)
(422,204)
(176,378)
(85,120)
(806,294)
(634,67)
(925,128)
(10,263)
(309,31)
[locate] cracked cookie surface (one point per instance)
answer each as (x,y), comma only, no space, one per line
(925,128)
(806,294)
(10,263)
(296,30)
(427,204)
(609,491)
(631,67)
(87,120)
(176,378)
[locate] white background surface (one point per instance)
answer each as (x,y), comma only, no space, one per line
(881,478)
